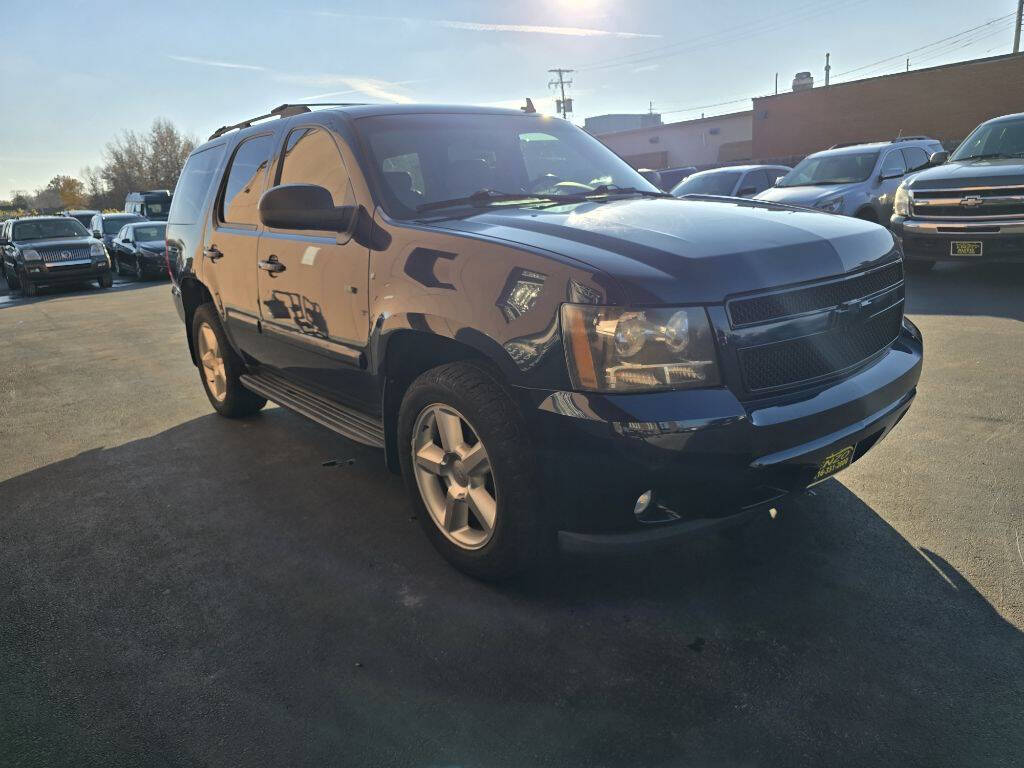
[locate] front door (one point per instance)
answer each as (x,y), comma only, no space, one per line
(230,253)
(313,285)
(893,167)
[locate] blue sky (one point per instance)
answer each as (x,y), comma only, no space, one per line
(73,74)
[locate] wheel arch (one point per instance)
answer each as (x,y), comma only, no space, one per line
(407,354)
(867,212)
(193,295)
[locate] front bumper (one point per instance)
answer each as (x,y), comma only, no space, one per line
(930,240)
(154,265)
(709,458)
(43,274)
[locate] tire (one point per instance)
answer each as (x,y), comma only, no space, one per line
(12,280)
(138,269)
(116,265)
(28,288)
(867,214)
(225,366)
(105,281)
(518,538)
(918,267)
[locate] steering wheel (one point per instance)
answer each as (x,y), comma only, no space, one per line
(543,182)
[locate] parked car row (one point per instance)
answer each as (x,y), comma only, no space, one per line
(80,245)
(968,206)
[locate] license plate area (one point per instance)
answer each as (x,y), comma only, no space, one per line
(835,462)
(965,248)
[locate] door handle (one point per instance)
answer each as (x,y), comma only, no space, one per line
(213,253)
(271,265)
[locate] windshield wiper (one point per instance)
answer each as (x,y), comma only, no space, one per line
(990,155)
(612,189)
(484,197)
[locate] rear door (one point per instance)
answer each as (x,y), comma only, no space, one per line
(313,300)
(232,242)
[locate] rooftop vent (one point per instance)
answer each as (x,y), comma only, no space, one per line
(803,81)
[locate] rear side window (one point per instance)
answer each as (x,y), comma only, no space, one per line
(312,157)
(193,184)
(756,181)
(245,181)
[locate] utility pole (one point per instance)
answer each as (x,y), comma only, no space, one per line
(908,65)
(1016,29)
(563,104)
(776,83)
(828,68)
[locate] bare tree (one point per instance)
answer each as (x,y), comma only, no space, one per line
(135,162)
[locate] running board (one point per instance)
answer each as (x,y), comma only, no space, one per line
(345,421)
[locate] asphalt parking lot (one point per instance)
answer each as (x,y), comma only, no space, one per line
(180,589)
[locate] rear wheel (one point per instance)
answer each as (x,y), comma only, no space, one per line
(469,471)
(220,367)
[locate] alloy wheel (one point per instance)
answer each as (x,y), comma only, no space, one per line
(454,476)
(212,361)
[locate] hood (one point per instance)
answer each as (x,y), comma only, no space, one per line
(1000,172)
(692,250)
(805,197)
(57,242)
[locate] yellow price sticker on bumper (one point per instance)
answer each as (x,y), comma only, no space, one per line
(835,461)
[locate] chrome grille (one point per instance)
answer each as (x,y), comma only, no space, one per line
(972,204)
(55,255)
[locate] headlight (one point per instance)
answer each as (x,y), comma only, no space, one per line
(617,349)
(97,249)
(901,201)
(30,254)
(832,205)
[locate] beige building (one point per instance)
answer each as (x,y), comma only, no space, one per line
(703,142)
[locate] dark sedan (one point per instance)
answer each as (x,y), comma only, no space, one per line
(138,249)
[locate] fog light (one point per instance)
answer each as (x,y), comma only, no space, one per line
(643,502)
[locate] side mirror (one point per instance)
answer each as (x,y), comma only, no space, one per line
(303,206)
(652,176)
(938,158)
(747,192)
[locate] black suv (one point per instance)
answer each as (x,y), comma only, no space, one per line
(971,208)
(548,348)
(51,250)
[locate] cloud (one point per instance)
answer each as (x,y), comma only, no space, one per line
(648,68)
(476,26)
(211,63)
(352,84)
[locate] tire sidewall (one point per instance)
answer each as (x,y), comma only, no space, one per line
(238,401)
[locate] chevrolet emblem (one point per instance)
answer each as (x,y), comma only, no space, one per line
(971,201)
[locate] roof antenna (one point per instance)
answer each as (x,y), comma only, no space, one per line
(529,108)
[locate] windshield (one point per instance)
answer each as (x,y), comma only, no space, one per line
(993,140)
(154,232)
(45,229)
(831,169)
(156,209)
(424,159)
(717,183)
(113,226)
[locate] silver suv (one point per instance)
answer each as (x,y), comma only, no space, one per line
(854,180)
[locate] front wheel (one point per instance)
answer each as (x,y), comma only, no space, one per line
(105,281)
(470,472)
(28,288)
(138,268)
(220,367)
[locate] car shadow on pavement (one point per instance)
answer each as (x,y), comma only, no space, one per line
(10,298)
(992,289)
(255,592)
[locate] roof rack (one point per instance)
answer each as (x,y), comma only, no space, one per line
(912,138)
(847,144)
(284,110)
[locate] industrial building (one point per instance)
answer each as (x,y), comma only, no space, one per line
(702,142)
(945,102)
(600,124)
